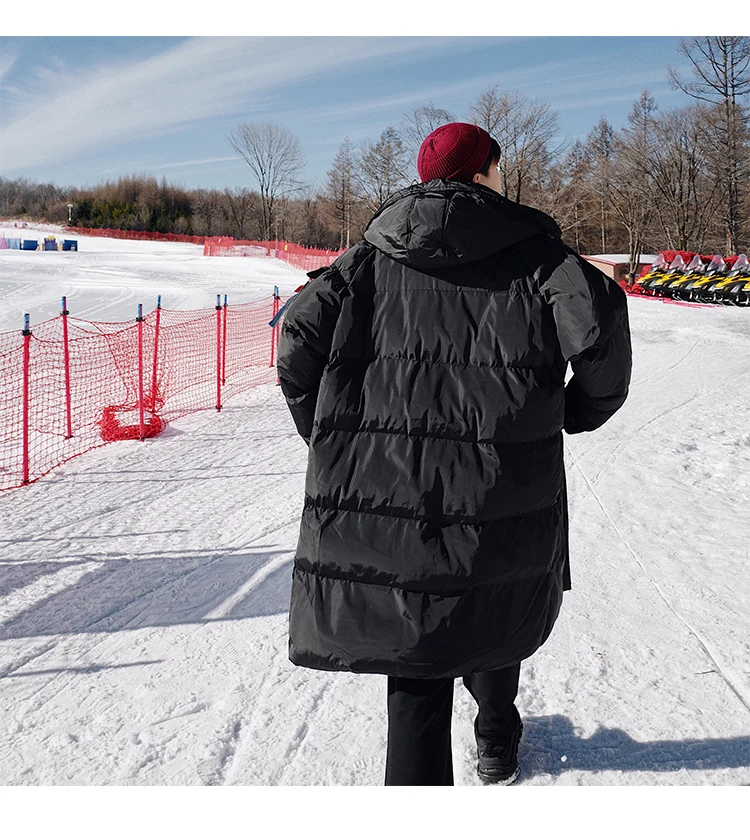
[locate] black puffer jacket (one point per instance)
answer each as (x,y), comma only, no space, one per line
(426,370)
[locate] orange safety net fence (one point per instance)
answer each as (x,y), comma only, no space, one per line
(308,259)
(300,256)
(144,235)
(64,395)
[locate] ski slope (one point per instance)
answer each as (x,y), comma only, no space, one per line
(107,278)
(144,586)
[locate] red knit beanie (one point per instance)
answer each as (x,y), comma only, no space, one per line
(456,151)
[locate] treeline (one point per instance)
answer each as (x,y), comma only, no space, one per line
(677,179)
(140,202)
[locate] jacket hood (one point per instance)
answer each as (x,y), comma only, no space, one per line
(443,223)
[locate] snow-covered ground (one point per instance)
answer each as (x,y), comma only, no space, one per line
(107,278)
(144,586)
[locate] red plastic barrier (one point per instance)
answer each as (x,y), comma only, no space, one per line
(118,387)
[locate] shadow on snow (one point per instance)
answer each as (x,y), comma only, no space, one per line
(155,591)
(547,739)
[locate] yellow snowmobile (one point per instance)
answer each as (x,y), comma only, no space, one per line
(735,287)
(695,271)
(677,269)
(657,270)
(697,284)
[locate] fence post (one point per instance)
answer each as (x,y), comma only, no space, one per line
(218,352)
(141,416)
(276,305)
(156,355)
(66,357)
(274,333)
(224,347)
(26,333)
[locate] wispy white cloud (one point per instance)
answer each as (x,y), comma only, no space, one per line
(7,60)
(568,84)
(56,115)
(180,163)
(580,103)
(201,78)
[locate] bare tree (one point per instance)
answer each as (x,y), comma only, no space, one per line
(274,157)
(417,125)
(486,112)
(241,206)
(382,168)
(206,210)
(600,152)
(280,215)
(340,190)
(525,129)
(629,186)
(563,194)
(721,66)
(686,197)
(22,196)
(306,214)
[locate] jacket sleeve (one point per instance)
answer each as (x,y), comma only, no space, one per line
(591,317)
(305,344)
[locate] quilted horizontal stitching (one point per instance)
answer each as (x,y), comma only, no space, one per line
(422,435)
(311,503)
(420,590)
(463,291)
(397,357)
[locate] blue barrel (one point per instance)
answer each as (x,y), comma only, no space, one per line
(29,245)
(50,244)
(70,244)
(14,242)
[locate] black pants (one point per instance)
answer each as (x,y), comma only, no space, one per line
(419,722)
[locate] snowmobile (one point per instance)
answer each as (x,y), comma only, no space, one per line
(735,287)
(695,271)
(742,295)
(706,292)
(675,270)
(700,278)
(657,270)
(703,290)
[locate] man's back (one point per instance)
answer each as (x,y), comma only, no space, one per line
(434,531)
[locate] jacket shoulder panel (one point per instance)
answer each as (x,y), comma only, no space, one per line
(542,255)
(350,261)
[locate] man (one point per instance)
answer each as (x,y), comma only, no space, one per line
(426,371)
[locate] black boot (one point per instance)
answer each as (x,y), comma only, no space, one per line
(497,761)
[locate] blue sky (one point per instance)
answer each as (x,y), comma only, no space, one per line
(79,110)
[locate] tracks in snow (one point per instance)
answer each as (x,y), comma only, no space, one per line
(713,658)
